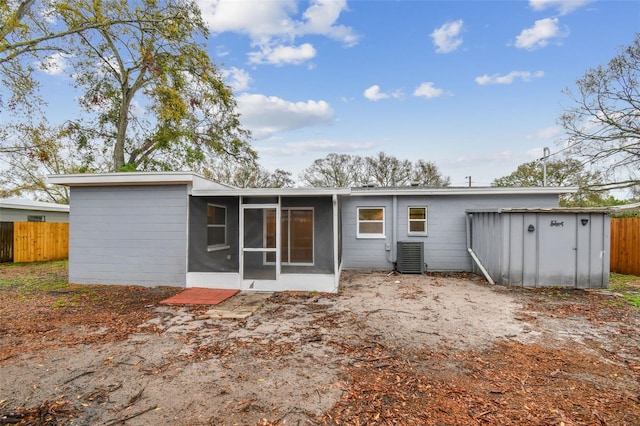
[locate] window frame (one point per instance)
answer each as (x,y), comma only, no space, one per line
(370,235)
(288,210)
(224,245)
(425,221)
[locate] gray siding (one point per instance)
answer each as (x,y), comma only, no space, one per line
(20,215)
(226,260)
(128,235)
(445,244)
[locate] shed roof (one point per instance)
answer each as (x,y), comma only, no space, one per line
(553,210)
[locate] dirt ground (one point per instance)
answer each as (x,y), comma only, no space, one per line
(389,349)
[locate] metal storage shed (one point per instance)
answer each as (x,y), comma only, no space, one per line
(541,247)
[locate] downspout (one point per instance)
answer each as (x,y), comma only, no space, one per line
(473,255)
(336,243)
(394,234)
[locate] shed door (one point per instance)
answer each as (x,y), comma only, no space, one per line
(557,250)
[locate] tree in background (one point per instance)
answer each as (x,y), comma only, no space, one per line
(248,175)
(39,151)
(387,171)
(426,173)
(343,170)
(561,172)
(335,171)
(153,99)
(604,125)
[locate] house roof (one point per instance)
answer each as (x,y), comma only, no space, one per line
(23,204)
(200,186)
(461,190)
(191,179)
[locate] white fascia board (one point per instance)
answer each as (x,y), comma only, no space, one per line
(270,192)
(191,179)
(492,190)
(19,204)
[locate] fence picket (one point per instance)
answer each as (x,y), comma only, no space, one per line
(625,245)
(40,241)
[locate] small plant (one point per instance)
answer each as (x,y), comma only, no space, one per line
(621,283)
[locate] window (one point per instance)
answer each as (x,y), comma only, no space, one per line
(417,221)
(35,218)
(296,236)
(216,227)
(370,222)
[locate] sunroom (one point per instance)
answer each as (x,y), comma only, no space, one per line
(264,239)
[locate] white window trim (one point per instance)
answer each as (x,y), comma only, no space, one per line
(224,246)
(367,235)
(425,220)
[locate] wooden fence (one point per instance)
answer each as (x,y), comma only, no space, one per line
(6,241)
(625,245)
(38,241)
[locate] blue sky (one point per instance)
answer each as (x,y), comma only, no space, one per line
(475,86)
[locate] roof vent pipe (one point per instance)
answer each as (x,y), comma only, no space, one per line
(545,155)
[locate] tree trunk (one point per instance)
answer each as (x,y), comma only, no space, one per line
(121,131)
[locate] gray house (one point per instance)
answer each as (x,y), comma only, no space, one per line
(180,229)
(22,210)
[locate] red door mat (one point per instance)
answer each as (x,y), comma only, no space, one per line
(200,296)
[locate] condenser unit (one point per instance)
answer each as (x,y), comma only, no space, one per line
(410,257)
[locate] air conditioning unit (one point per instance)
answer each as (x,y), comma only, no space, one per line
(410,257)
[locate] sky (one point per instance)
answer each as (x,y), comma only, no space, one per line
(474,86)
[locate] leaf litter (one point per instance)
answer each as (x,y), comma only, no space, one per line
(388,350)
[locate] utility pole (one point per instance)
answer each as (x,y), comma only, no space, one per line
(469,179)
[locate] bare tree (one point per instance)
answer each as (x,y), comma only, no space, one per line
(343,170)
(335,171)
(603,127)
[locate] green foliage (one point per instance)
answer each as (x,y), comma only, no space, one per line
(628,286)
(152,99)
(567,172)
(41,276)
(343,170)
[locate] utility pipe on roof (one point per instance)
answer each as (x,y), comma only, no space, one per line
(473,255)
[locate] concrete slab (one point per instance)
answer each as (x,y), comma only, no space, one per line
(240,306)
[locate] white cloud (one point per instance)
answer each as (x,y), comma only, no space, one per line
(55,64)
(427,90)
(320,19)
(539,35)
(267,115)
(304,147)
(547,133)
(508,78)
(563,6)
(280,55)
(447,38)
(256,18)
(237,78)
(373,93)
(273,26)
